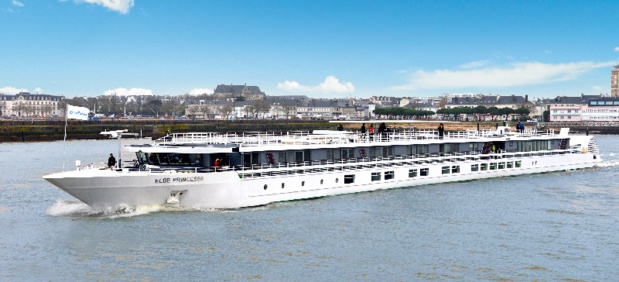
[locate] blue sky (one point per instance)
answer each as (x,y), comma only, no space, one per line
(335,48)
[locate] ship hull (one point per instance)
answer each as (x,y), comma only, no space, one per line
(105,189)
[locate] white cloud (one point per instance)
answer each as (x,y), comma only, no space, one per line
(17,3)
(475,64)
(200,91)
(128,92)
(293,86)
(517,74)
(38,90)
(122,6)
(12,90)
(329,85)
(617,49)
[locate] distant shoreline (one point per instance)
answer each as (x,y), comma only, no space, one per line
(45,130)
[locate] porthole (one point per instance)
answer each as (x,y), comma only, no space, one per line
(283,185)
(337,180)
(321,181)
(302,183)
(265,186)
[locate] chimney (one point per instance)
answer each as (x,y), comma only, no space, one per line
(526,98)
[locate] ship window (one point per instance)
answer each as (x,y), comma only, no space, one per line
(376,152)
(518,163)
(283,185)
(501,165)
(510,164)
(195,160)
(423,149)
(163,159)
(302,183)
(484,167)
(492,166)
(411,150)
(375,176)
(389,175)
(474,147)
(179,159)
(348,153)
(474,167)
(334,154)
(291,157)
(412,173)
(387,151)
(322,181)
(445,170)
(449,148)
(265,186)
(424,172)
(455,169)
(349,179)
(337,180)
(251,158)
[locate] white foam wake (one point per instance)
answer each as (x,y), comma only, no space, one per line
(72,208)
(612,163)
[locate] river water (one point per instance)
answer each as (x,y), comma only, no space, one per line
(553,226)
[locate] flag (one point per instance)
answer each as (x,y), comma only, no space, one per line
(77,112)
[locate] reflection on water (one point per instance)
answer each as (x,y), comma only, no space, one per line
(553,226)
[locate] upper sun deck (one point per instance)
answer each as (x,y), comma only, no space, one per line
(329,137)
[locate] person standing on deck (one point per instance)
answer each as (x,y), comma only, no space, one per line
(371,129)
(111,161)
(441,130)
(362,130)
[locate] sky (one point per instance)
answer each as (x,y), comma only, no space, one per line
(317,48)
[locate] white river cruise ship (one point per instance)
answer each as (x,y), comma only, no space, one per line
(212,170)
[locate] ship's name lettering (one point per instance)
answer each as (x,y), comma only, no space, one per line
(179,179)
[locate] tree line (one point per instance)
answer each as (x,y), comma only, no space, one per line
(452,113)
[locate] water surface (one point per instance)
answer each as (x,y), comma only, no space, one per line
(553,226)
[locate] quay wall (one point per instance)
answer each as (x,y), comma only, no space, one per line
(46,130)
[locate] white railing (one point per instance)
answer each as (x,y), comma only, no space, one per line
(306,138)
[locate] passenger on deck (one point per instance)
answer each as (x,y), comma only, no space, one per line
(520,127)
(381,128)
(340,127)
(111,161)
(371,129)
(362,128)
(441,130)
(217,162)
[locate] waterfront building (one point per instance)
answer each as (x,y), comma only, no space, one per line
(24,104)
(586,108)
(603,109)
(614,82)
(564,108)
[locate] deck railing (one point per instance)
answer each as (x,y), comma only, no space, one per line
(346,137)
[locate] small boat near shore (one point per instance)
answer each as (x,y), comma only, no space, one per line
(223,171)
